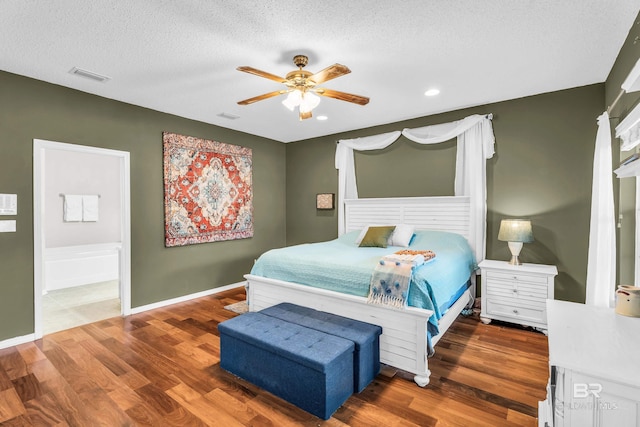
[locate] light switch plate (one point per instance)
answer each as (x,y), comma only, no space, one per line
(8,226)
(8,204)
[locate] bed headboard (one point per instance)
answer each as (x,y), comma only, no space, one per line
(446,213)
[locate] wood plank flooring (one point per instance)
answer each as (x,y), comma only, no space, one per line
(161,368)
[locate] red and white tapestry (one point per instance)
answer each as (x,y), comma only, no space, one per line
(207,191)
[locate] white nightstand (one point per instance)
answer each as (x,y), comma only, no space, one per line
(516,293)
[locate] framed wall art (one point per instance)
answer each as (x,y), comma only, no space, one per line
(325,201)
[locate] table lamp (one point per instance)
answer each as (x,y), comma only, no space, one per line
(516,232)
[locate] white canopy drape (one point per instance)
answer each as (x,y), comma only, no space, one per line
(601,264)
(475,143)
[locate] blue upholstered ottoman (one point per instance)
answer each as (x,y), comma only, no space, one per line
(311,369)
(365,336)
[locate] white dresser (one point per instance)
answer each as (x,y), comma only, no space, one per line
(516,293)
(594,358)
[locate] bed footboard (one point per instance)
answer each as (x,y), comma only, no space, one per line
(403,343)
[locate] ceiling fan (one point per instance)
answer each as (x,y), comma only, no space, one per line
(302,87)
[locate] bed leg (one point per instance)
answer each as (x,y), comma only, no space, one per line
(422,380)
(471,302)
(472,291)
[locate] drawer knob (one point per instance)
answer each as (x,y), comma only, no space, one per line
(515,291)
(515,311)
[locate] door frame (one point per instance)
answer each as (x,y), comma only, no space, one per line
(40,148)
(636,254)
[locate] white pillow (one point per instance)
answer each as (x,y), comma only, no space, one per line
(402,235)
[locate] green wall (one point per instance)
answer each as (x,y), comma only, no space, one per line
(625,188)
(542,169)
(33,109)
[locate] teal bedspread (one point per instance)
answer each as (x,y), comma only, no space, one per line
(340,265)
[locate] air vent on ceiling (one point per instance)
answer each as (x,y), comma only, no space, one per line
(228,116)
(89,75)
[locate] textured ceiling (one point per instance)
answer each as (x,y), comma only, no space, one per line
(180,57)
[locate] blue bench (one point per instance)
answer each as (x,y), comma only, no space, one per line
(365,336)
(308,368)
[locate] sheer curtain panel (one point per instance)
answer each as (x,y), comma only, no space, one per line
(601,264)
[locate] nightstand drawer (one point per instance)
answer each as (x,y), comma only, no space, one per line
(531,314)
(517,289)
(517,277)
(532,303)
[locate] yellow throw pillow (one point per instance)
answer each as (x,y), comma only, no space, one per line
(377,237)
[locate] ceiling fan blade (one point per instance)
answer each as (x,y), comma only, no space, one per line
(343,96)
(305,115)
(261,97)
(331,72)
(261,73)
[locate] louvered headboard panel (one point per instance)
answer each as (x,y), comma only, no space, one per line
(447,213)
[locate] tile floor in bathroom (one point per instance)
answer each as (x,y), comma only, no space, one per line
(66,308)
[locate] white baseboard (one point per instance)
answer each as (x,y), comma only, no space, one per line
(17,341)
(159,304)
(31,337)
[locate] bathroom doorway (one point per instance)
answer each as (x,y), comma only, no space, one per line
(81,249)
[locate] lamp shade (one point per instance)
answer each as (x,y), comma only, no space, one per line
(293,99)
(309,102)
(306,101)
(515,230)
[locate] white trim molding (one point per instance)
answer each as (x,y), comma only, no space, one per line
(17,341)
(629,130)
(32,337)
(184,298)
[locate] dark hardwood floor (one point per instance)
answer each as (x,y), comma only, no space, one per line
(160,368)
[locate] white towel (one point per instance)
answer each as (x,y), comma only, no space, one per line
(72,208)
(90,208)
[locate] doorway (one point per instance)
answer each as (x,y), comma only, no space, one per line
(92,263)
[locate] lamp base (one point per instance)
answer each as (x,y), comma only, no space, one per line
(515,260)
(515,248)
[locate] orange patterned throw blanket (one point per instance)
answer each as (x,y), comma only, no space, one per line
(426,254)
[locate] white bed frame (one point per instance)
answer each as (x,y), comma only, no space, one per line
(403,343)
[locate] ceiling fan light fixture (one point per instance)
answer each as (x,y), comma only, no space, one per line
(309,102)
(302,87)
(293,99)
(305,101)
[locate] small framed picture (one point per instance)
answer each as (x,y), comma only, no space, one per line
(325,201)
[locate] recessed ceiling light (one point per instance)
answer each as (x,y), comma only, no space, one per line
(322,118)
(432,92)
